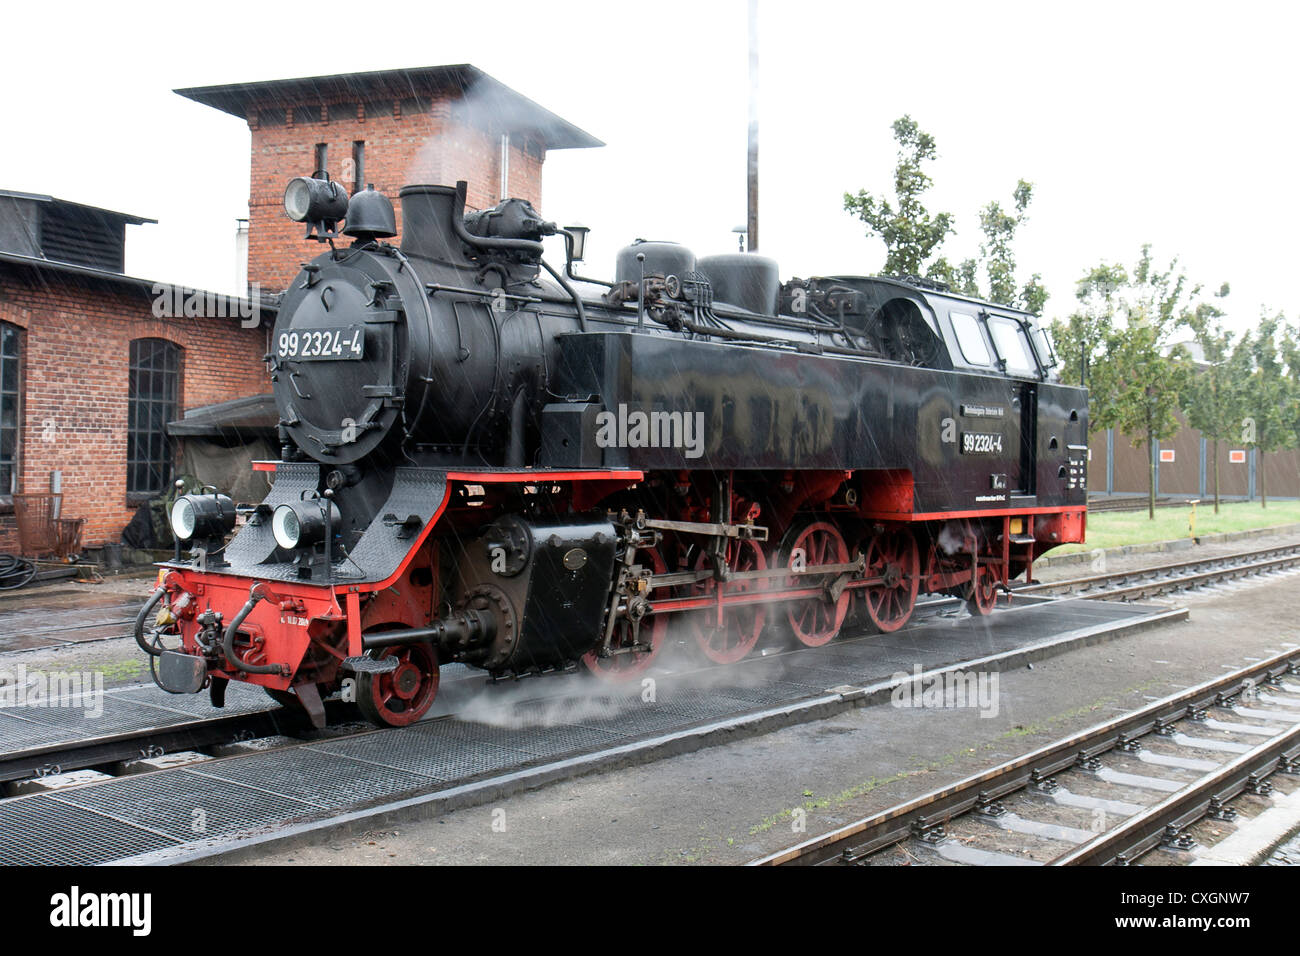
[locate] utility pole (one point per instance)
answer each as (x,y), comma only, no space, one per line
(752,222)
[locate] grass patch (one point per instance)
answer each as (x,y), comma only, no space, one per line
(1113,529)
(115,671)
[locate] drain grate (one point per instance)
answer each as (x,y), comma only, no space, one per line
(81,724)
(648,719)
(310,776)
(184,805)
(564,740)
(41,831)
(240,699)
(421,749)
(23,732)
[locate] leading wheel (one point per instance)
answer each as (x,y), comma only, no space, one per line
(815,621)
(741,625)
(404,695)
(983,595)
(650,633)
(893,557)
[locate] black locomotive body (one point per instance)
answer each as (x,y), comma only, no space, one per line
(482,463)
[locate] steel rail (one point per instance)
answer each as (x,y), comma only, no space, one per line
(928,813)
(87,752)
(1167,575)
(1157,824)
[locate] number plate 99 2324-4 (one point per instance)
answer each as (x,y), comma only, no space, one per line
(346,343)
(981,443)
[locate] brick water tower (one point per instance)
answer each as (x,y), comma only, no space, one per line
(388,128)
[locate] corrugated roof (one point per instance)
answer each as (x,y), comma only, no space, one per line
(505,105)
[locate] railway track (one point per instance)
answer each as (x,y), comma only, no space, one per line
(106,750)
(1140,583)
(1102,505)
(200,734)
(1188,756)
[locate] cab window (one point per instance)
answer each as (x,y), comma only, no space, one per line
(1012,346)
(969,338)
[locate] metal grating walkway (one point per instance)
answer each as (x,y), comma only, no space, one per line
(502,728)
(123,709)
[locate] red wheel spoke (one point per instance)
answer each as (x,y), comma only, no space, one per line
(893,557)
(816,621)
(405,695)
(737,633)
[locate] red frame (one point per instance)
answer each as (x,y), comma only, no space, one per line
(285,621)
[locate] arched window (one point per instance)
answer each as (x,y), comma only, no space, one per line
(153,401)
(10,404)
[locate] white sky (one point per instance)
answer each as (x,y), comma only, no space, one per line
(1173,123)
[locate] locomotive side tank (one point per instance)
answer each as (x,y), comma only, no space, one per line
(482,463)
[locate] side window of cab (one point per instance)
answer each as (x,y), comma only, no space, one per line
(970,338)
(1013,346)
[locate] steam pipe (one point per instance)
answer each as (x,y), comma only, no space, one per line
(255,594)
(527,246)
(518,421)
(573,294)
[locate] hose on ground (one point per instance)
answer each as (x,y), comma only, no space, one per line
(15,571)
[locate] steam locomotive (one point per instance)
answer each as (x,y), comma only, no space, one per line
(482,463)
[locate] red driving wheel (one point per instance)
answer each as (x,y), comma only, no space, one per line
(983,595)
(815,621)
(893,557)
(741,626)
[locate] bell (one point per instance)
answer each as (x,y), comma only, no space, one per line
(370,216)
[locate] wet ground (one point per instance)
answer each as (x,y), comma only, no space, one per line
(730,804)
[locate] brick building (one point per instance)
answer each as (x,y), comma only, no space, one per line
(389,128)
(111,385)
(94,363)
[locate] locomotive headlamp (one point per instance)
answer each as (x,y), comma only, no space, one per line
(577,234)
(202,516)
(302,523)
(315,200)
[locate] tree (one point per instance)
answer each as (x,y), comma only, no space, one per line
(911,234)
(1081,339)
(1291,356)
(1138,378)
(1142,388)
(1267,394)
(998,259)
(1212,399)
